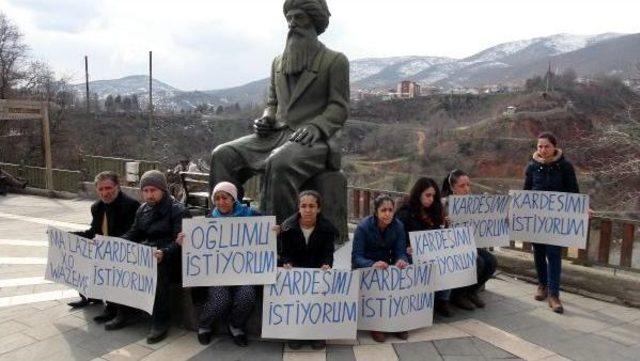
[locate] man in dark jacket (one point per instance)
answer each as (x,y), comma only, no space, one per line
(157,224)
(111,215)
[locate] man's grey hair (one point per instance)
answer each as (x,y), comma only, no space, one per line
(107,175)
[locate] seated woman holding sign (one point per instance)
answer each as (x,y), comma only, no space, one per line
(380,241)
(307,241)
(548,170)
(467,298)
(421,211)
(232,302)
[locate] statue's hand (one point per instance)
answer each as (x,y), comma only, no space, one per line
(306,135)
(263,126)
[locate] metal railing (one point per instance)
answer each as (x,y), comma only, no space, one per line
(611,241)
(63,180)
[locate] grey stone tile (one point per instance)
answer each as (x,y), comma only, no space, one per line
(623,313)
(592,348)
(16,312)
(15,341)
(104,343)
(340,353)
(547,335)
(464,358)
(526,302)
(226,350)
(457,347)
(572,319)
(500,309)
(490,351)
(511,323)
(490,296)
(586,303)
(11,327)
(416,351)
(54,348)
(633,351)
(628,334)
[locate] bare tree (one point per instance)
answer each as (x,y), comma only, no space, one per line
(38,80)
(12,55)
(616,156)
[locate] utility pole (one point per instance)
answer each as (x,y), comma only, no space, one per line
(548,78)
(86,77)
(150,89)
(46,142)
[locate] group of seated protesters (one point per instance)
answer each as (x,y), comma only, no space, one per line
(382,239)
(306,239)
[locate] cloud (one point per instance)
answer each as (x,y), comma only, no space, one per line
(204,44)
(62,15)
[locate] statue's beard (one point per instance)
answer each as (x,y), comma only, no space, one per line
(300,50)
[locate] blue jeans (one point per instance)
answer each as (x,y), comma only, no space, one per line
(548,261)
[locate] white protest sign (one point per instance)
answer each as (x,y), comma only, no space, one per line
(125,272)
(68,261)
(107,268)
(452,251)
(229,251)
(395,300)
(556,218)
(311,304)
(486,214)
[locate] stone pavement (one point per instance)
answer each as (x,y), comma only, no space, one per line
(36,323)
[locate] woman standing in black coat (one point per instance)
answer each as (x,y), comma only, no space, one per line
(548,170)
(307,241)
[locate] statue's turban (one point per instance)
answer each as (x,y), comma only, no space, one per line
(317,10)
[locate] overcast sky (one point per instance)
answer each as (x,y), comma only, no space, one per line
(211,44)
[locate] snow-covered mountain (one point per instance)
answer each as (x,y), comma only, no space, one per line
(507,63)
(166,97)
(537,47)
(134,84)
(448,72)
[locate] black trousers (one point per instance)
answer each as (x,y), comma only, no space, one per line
(161,316)
(486,264)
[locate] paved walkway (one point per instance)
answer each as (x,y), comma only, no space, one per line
(36,323)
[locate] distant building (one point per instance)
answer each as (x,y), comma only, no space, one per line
(430,90)
(361,95)
(408,89)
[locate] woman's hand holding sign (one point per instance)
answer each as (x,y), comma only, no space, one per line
(380,265)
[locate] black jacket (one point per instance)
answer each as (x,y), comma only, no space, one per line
(120,215)
(414,222)
(556,176)
(158,225)
(293,248)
